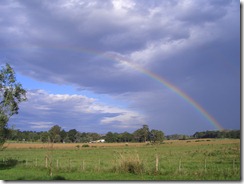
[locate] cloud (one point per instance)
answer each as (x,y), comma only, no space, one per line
(59,41)
(97,46)
(41,125)
(69,111)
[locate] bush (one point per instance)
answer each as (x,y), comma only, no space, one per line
(8,163)
(77,146)
(130,164)
(85,146)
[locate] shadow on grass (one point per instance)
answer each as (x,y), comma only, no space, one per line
(41,178)
(8,164)
(58,178)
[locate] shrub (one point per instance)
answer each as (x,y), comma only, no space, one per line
(130,164)
(8,163)
(85,145)
(77,146)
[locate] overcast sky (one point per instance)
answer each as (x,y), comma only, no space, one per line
(83,63)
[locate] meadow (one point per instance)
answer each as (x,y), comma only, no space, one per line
(201,159)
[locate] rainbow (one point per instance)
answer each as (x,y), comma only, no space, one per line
(160,79)
(176,90)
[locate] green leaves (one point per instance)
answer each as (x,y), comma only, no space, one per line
(7,76)
(157,135)
(11,94)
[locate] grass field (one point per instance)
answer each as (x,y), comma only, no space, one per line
(206,159)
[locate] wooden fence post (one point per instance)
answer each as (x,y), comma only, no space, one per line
(83,165)
(46,161)
(69,164)
(57,163)
(99,163)
(205,165)
(179,165)
(156,164)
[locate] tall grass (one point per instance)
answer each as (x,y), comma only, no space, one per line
(129,163)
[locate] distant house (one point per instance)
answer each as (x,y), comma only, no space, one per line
(101,140)
(98,141)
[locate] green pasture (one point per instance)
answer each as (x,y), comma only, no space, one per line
(149,162)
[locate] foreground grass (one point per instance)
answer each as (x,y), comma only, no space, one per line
(177,160)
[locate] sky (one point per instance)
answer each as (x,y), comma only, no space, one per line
(115,65)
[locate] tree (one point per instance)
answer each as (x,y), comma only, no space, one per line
(54,133)
(126,137)
(11,94)
(63,135)
(145,132)
(111,137)
(85,137)
(71,135)
(44,136)
(156,135)
(142,134)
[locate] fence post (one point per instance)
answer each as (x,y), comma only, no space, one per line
(57,163)
(205,165)
(83,165)
(69,164)
(99,163)
(180,165)
(46,161)
(156,164)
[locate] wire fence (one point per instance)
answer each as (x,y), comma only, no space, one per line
(156,164)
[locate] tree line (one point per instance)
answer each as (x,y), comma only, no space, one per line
(234,134)
(58,135)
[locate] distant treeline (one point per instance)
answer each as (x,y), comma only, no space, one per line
(235,134)
(56,134)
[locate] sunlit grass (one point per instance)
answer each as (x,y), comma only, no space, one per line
(177,160)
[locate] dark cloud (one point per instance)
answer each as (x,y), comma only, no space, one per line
(97,45)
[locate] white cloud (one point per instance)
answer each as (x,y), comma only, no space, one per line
(41,125)
(122,6)
(73,111)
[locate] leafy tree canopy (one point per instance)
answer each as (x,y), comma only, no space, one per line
(11,94)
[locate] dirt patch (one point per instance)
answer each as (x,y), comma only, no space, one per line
(190,142)
(68,145)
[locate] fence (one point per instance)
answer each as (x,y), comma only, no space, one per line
(150,165)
